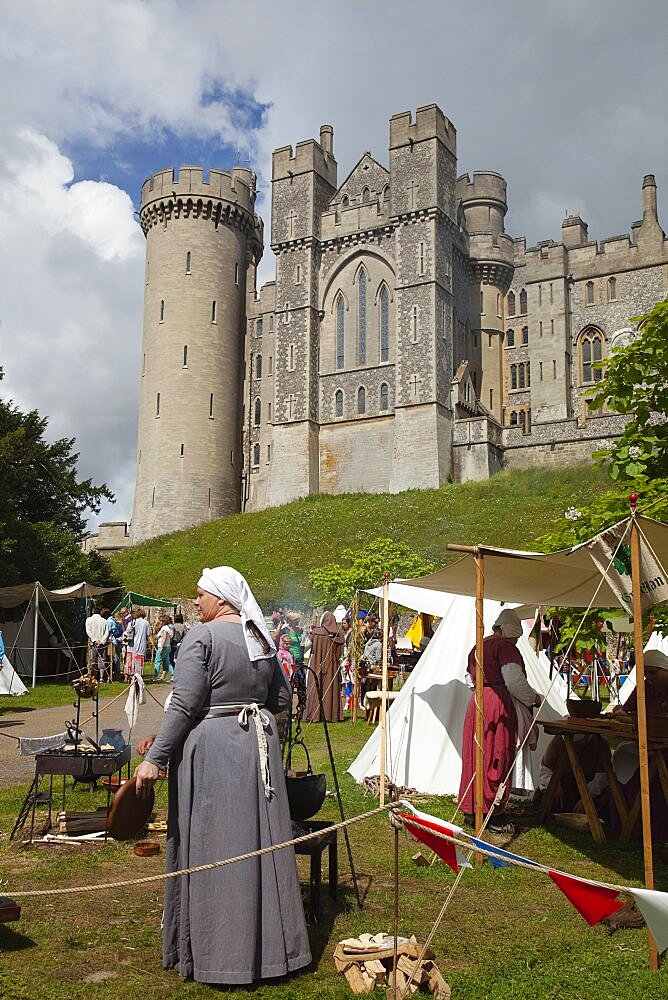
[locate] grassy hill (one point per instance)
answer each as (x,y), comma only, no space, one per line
(276,548)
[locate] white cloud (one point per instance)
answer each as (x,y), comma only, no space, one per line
(567,100)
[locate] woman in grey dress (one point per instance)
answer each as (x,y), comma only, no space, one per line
(227,796)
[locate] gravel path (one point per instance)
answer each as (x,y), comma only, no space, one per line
(15,770)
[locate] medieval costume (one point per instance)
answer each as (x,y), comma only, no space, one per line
(326,651)
(504,680)
(227,796)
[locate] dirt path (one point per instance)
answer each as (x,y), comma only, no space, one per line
(47,721)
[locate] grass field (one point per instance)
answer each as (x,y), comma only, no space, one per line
(48,694)
(276,548)
(506,934)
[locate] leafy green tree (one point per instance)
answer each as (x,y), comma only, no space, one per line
(336,584)
(43,506)
(635,382)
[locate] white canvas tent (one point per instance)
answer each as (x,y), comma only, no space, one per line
(10,682)
(425,723)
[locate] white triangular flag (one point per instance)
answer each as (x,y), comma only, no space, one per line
(654,907)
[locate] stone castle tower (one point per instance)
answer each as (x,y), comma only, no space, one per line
(406,340)
(202,236)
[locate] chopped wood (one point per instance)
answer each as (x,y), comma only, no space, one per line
(367,962)
(420,860)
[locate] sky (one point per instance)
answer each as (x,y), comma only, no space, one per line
(567,99)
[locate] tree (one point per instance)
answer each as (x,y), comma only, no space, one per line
(635,382)
(43,505)
(336,584)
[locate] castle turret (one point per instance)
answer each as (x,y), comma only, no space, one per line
(201,237)
(491,254)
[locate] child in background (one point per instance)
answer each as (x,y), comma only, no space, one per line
(285,657)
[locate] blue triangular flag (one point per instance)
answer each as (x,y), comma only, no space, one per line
(499,853)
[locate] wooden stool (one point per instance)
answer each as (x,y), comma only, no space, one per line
(315,849)
(373,699)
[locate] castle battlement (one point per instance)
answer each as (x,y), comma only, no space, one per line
(188,183)
(485,185)
(309,156)
(430,123)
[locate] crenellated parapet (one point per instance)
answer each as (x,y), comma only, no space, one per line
(491,259)
(223,198)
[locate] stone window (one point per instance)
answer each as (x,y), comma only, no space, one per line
(185,355)
(384,396)
(271,324)
(513,419)
(143,365)
(511,303)
(386,193)
(258,366)
(361,399)
(361,317)
(523,421)
(210,406)
(554,368)
(523,302)
(340,333)
(162,310)
(366,196)
(345,201)
(528,368)
(589,293)
(414,324)
(384,302)
(268,453)
(256,454)
(298,274)
(183,448)
(214,312)
(338,403)
(270,366)
(525,335)
(591,350)
(421,257)
(612,289)
(482,303)
(291,357)
(513,376)
(540,295)
(258,328)
(157,404)
(268,413)
(236,274)
(498,304)
(209,498)
(551,294)
(540,370)
(257,412)
(510,338)
(521,376)
(188,260)
(491,398)
(285,314)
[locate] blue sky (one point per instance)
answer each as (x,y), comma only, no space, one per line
(567,100)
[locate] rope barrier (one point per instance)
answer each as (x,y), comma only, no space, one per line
(71,890)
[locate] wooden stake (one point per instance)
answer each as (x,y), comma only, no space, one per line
(479,693)
(383,694)
(642,719)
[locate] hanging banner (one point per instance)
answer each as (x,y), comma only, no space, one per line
(611,553)
(654,907)
(420,828)
(497,857)
(591,900)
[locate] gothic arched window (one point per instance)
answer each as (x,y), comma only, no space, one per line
(258,328)
(384,396)
(338,403)
(523,302)
(258,366)
(365,196)
(510,338)
(513,419)
(591,350)
(361,399)
(257,411)
(346,201)
(612,289)
(361,317)
(511,303)
(525,335)
(340,332)
(256,454)
(384,300)
(589,293)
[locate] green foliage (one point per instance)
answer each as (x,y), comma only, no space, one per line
(336,584)
(636,383)
(42,506)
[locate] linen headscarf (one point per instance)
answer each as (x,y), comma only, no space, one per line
(231,586)
(509,623)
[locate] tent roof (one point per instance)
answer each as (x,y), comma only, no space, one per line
(567,578)
(418,598)
(144,602)
(11,597)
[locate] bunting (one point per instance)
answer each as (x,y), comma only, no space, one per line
(496,859)
(592,900)
(420,826)
(654,907)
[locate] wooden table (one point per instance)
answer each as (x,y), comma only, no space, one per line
(609,727)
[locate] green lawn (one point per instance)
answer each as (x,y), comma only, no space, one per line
(507,934)
(276,548)
(50,695)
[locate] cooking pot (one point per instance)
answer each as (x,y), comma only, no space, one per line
(306,790)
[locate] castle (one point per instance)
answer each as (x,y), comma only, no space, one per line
(407,339)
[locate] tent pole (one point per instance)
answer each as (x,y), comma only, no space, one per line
(642,719)
(479,692)
(383,695)
(35,636)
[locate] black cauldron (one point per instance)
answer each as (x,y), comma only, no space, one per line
(583,708)
(306,790)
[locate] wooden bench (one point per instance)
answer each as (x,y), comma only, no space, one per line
(372,704)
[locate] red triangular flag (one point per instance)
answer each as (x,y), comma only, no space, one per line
(592,900)
(419,828)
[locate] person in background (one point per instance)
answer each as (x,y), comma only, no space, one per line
(128,646)
(115,629)
(346,665)
(177,638)
(98,640)
(285,657)
(141,634)
(162,663)
(326,649)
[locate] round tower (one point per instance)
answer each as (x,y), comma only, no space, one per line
(491,265)
(201,237)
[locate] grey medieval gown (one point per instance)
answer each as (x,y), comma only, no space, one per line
(244,922)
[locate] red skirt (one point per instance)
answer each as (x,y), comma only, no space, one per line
(499,747)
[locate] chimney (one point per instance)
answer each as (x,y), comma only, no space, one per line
(573,232)
(649,199)
(327,139)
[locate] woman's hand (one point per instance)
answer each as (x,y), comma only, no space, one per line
(146,775)
(145,745)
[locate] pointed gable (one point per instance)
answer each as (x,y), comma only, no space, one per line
(367,174)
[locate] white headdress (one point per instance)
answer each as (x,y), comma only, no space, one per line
(231,586)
